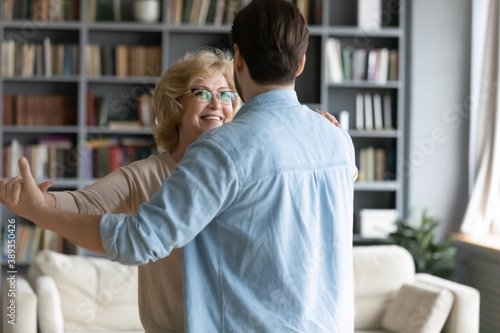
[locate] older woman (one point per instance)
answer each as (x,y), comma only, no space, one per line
(196,94)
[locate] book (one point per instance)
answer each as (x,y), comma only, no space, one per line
(359,65)
(383,70)
(346,64)
(344,120)
(393,65)
(371,71)
(92,10)
(129,125)
(380,164)
(377,112)
(370,14)
(370,164)
(48,57)
(219,11)
(360,117)
(333,66)
(368,112)
(122,61)
(388,112)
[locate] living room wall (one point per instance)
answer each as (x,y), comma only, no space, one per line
(439,119)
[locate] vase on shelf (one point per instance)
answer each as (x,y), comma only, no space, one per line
(147,11)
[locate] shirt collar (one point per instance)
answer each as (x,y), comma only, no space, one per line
(281,97)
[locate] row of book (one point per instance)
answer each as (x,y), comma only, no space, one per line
(107,154)
(123,60)
(376,164)
(41,10)
(202,11)
(139,110)
(52,157)
(39,59)
(345,63)
(39,110)
(31,238)
(218,12)
(373,113)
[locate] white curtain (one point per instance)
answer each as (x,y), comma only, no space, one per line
(483,211)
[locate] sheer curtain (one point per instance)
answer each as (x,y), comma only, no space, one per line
(483,211)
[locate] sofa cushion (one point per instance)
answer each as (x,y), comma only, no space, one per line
(418,309)
(49,306)
(464,314)
(96,294)
(379,272)
(21,306)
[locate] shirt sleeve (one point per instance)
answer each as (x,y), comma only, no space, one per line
(119,192)
(203,186)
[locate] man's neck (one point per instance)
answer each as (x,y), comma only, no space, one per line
(257,89)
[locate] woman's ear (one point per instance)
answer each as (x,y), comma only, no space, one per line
(301,66)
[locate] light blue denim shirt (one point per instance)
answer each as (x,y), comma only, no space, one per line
(263,207)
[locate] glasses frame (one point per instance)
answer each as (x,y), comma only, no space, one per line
(218,94)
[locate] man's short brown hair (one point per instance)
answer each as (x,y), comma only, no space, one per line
(272,37)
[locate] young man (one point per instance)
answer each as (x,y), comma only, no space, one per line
(262,206)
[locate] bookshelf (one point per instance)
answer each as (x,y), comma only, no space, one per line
(335,19)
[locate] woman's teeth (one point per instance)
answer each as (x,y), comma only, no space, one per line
(211,118)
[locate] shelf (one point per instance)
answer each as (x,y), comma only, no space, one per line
(124,26)
(201,29)
(106,130)
(365,85)
(359,240)
(389,185)
(374,134)
(42,25)
(125,80)
(60,182)
(357,32)
(346,31)
(54,78)
(40,129)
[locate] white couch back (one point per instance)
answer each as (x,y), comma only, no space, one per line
(379,272)
(95,293)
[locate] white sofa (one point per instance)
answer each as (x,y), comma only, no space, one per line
(380,272)
(80,294)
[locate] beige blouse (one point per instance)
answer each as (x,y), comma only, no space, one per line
(122,191)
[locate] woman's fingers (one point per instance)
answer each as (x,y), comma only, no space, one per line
(45,185)
(328,116)
(10,190)
(16,191)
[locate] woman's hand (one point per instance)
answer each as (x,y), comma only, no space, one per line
(20,194)
(328,116)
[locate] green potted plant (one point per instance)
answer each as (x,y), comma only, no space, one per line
(419,239)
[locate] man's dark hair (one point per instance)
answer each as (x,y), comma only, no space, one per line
(272,37)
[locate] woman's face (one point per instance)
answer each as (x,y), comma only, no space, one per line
(200,116)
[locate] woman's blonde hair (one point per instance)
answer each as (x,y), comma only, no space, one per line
(178,79)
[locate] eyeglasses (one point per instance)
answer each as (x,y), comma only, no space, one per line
(205,96)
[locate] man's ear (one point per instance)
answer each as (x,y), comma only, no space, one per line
(238,59)
(301,66)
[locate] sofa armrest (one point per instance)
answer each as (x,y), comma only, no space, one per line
(50,315)
(24,312)
(464,314)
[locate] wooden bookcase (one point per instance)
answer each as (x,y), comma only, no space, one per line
(338,20)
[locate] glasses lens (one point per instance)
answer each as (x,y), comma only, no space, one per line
(226,97)
(203,95)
